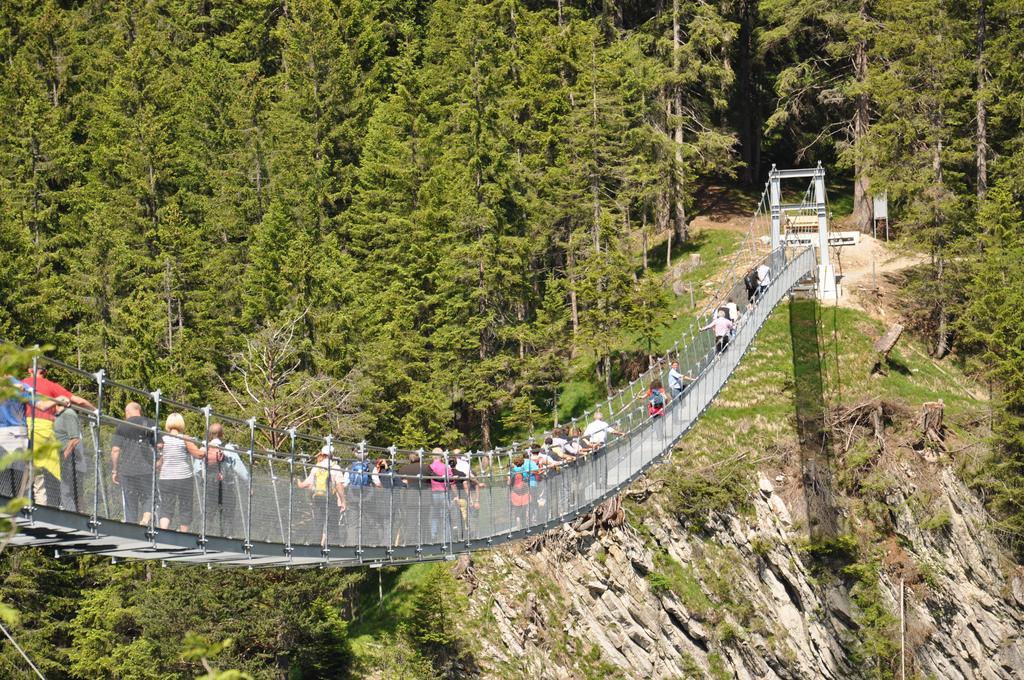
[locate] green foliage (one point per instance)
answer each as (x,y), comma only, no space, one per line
(681,580)
(723,485)
(434,619)
(198,649)
(831,555)
(878,634)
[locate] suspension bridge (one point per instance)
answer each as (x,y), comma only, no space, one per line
(264,519)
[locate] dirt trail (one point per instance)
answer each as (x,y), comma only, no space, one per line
(867,267)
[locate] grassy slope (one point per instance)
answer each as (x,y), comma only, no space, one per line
(757,403)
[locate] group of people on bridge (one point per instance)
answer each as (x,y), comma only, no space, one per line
(163,475)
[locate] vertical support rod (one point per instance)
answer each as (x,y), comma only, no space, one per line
(325,537)
(206,475)
(151,532)
(252,475)
(775,201)
(361,456)
(94,520)
(392,450)
(291,489)
(903,631)
(32,440)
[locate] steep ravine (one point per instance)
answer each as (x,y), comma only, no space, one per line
(748,599)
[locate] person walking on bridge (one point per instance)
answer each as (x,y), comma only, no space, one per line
(677,381)
(597,431)
(177,488)
(14,436)
(324,479)
(132,457)
(225,474)
(657,400)
(441,483)
(68,431)
(722,326)
(40,431)
(764,278)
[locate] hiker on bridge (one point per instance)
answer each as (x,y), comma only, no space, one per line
(722,327)
(177,487)
(132,456)
(657,400)
(523,489)
(14,436)
(676,380)
(225,475)
(596,433)
(40,431)
(441,484)
(764,278)
(68,431)
(325,478)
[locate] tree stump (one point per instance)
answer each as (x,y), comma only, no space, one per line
(932,428)
(883,346)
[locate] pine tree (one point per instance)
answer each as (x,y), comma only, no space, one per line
(823,93)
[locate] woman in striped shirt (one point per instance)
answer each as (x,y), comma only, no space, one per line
(177,493)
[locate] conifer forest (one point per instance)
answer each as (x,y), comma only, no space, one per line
(450,222)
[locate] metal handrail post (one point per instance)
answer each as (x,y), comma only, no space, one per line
(206,475)
(32,442)
(94,522)
(288,549)
(392,451)
(247,546)
(361,456)
(153,524)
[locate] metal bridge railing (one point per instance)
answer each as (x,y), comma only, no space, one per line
(255,507)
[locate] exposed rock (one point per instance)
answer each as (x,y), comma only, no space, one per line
(745,594)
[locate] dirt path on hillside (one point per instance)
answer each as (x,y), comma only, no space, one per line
(867,271)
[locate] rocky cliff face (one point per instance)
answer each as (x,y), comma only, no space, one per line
(749,598)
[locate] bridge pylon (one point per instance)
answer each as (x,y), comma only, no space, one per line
(818,209)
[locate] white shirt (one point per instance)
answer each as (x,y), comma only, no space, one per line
(675,379)
(734,311)
(597,432)
(763,275)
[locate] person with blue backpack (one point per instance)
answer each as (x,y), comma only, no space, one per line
(361,500)
(657,399)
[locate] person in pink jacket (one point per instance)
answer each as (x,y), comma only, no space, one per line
(722,326)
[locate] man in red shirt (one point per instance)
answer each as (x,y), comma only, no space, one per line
(39,421)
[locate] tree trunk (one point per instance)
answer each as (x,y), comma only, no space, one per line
(679,226)
(573,303)
(862,209)
(595,189)
(942,330)
(981,143)
(485,429)
(749,124)
(608,376)
(643,239)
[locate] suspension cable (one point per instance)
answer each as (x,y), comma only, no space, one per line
(22,652)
